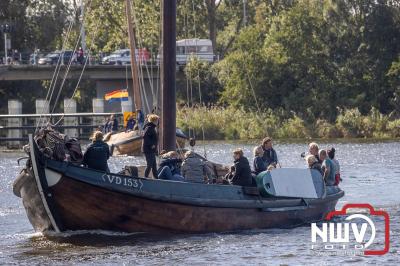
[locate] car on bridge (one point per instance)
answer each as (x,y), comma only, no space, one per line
(53,57)
(123,57)
(199,48)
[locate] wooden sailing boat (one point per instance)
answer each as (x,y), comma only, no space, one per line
(129,143)
(60,196)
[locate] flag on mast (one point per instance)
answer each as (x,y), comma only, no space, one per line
(117,96)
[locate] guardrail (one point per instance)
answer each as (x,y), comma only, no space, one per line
(14,128)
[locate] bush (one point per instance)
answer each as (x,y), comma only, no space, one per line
(293,128)
(394,128)
(350,123)
(326,130)
(237,123)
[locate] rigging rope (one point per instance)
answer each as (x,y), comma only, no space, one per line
(56,72)
(199,81)
(140,61)
(87,59)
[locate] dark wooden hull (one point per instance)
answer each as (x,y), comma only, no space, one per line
(81,206)
(75,198)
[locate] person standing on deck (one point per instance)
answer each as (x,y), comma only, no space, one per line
(149,145)
(97,153)
(313,149)
(328,168)
(331,155)
(270,157)
(140,119)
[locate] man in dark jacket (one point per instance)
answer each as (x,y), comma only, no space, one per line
(149,145)
(269,156)
(242,171)
(170,167)
(97,153)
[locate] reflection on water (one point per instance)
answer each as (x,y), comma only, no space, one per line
(371,173)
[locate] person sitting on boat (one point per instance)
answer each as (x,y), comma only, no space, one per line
(170,167)
(130,123)
(259,163)
(97,153)
(331,155)
(240,172)
(269,156)
(194,169)
(328,168)
(111,125)
(149,146)
(313,163)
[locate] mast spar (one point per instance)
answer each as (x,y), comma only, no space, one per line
(168,96)
(134,67)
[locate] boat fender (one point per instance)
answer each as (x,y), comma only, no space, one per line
(23,176)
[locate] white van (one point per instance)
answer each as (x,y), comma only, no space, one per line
(187,48)
(200,48)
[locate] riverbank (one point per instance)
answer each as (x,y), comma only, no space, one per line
(219,123)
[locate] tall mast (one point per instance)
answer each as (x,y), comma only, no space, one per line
(134,67)
(83,33)
(168,97)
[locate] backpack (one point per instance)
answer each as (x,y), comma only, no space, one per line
(131,171)
(75,151)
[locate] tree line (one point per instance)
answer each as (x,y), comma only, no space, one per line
(312,59)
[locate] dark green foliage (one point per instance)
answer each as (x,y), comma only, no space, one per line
(303,60)
(313,57)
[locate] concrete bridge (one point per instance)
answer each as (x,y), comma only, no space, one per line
(94,72)
(107,78)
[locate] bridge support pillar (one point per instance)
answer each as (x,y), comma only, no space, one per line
(14,108)
(42,107)
(98,107)
(70,108)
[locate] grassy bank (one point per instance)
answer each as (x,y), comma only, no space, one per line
(230,123)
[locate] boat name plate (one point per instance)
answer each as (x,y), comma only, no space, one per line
(122,181)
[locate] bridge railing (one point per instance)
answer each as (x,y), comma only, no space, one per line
(14,128)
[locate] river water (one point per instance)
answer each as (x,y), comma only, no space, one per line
(371,173)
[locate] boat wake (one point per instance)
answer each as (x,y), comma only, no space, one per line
(67,234)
